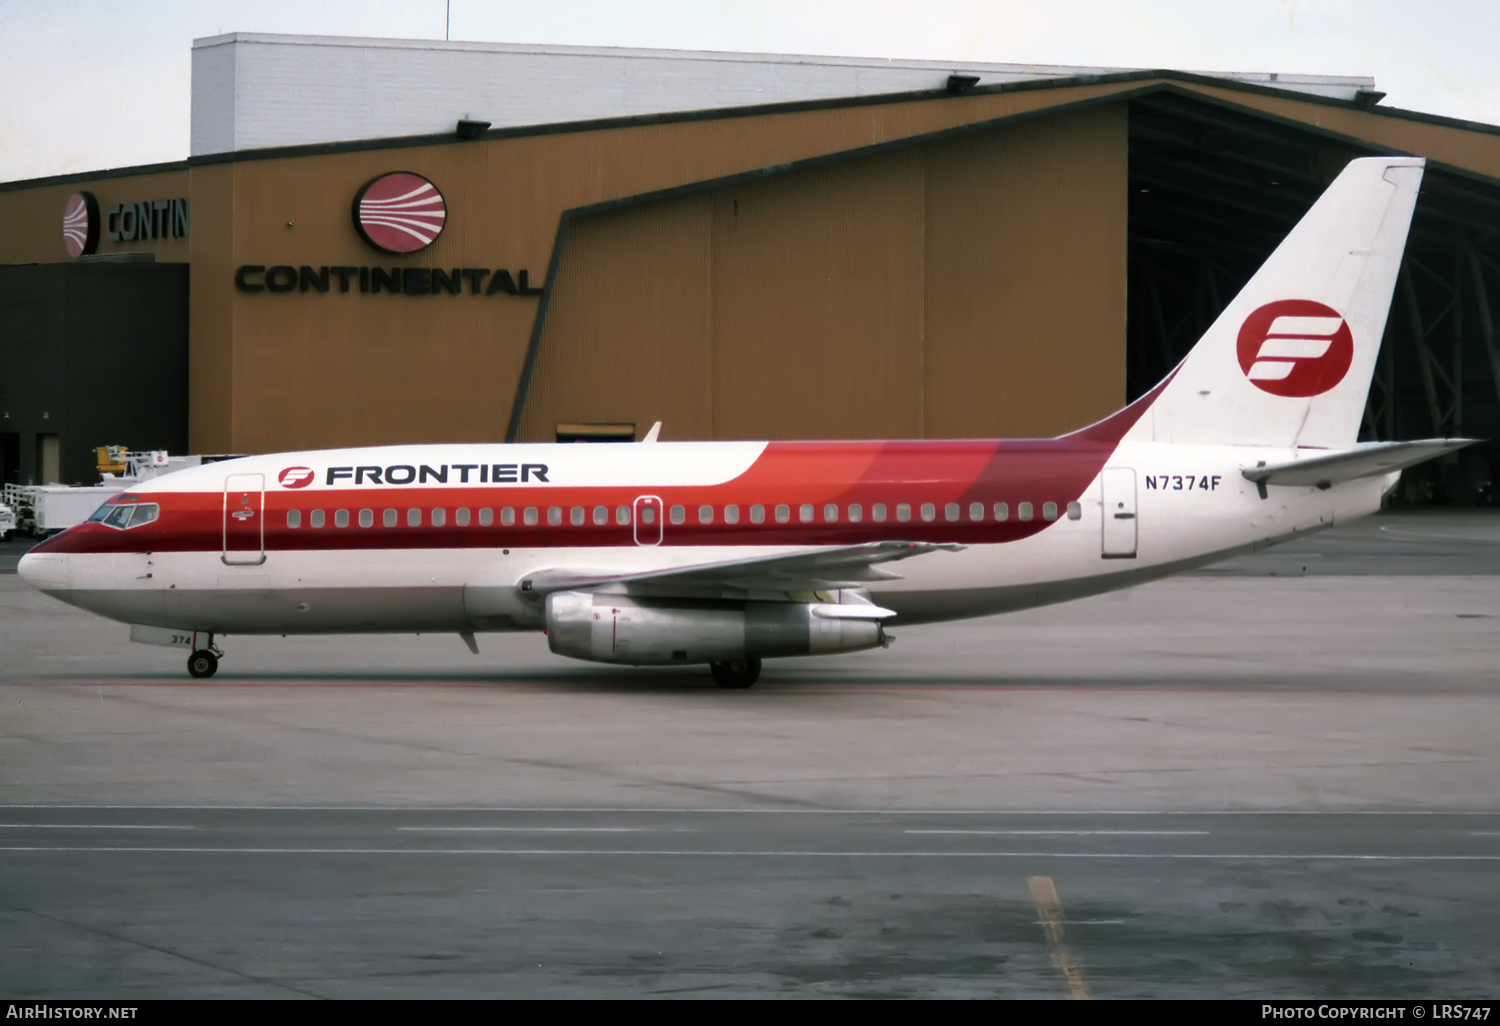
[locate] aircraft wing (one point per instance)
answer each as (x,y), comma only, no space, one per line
(1368,460)
(809,570)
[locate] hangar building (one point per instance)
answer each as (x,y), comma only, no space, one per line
(379,241)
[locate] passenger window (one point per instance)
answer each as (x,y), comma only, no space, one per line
(757,514)
(294,518)
(830,514)
(530,516)
(731,514)
(950,511)
(576,516)
(783,513)
(805,513)
(856,514)
(439,517)
(1075,511)
(388,518)
(316,520)
(145,513)
(119,517)
(1023,511)
(487,517)
(1049,511)
(622,515)
(1002,511)
(507,517)
(877,512)
(976,511)
(678,514)
(413,518)
(648,515)
(601,515)
(461,517)
(554,515)
(929,512)
(367,518)
(903,512)
(705,514)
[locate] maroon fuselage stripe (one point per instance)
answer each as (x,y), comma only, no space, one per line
(794,474)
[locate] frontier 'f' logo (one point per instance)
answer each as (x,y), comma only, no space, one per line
(296,477)
(1295,347)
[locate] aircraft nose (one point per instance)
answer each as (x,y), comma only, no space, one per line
(47,571)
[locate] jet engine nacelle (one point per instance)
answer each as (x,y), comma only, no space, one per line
(658,632)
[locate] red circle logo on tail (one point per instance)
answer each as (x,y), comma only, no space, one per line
(400,212)
(1297,348)
(296,477)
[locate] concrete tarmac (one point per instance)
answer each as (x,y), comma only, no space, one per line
(1254,781)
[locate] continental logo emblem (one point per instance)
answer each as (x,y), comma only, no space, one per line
(1296,348)
(80,224)
(296,477)
(399,212)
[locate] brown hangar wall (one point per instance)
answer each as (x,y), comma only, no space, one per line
(787,272)
(306,370)
(32,216)
(973,286)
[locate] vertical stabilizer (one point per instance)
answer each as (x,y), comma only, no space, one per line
(1289,361)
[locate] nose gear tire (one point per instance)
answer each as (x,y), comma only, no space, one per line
(202,663)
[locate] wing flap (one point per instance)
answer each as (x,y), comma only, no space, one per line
(805,570)
(1368,460)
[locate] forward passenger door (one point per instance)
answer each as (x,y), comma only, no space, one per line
(244,519)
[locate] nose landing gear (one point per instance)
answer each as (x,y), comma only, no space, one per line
(203,663)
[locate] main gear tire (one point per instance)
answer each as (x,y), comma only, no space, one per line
(736,675)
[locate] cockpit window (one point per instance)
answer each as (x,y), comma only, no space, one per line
(102,512)
(127,516)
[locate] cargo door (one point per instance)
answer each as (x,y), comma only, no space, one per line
(648,513)
(244,519)
(1119,512)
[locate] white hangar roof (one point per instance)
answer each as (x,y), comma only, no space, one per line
(252,91)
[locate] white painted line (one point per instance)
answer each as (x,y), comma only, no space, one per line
(658,853)
(446,809)
(1067,833)
(546,830)
(91,826)
(1484,833)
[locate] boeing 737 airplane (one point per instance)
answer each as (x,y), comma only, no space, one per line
(728,553)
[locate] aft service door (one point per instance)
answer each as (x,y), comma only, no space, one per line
(244,519)
(648,520)
(1119,512)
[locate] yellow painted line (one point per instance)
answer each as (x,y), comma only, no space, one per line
(1050,913)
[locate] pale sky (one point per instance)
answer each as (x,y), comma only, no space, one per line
(92,84)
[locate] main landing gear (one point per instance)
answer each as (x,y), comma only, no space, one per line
(203,663)
(740,673)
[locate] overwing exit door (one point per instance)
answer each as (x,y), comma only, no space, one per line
(244,519)
(648,520)
(1120,525)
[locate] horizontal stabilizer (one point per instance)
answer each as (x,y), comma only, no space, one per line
(1369,460)
(806,570)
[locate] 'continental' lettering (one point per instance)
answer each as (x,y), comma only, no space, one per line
(395,281)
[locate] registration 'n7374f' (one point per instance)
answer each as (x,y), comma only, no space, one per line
(1183,482)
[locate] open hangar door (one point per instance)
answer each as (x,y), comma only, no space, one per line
(1213,190)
